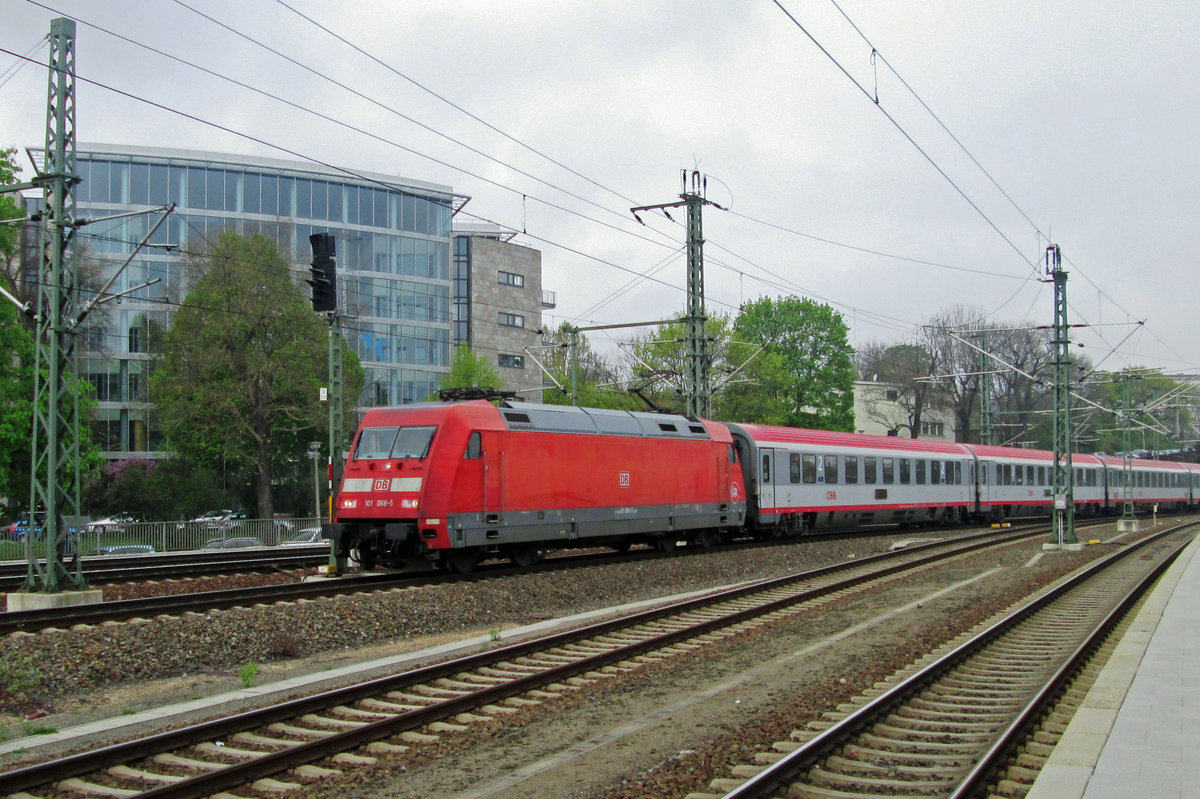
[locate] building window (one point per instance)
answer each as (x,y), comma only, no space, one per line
(933,428)
(511,279)
(511,319)
(512,361)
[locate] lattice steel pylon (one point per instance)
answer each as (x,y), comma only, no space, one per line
(1064,475)
(55,477)
(699,390)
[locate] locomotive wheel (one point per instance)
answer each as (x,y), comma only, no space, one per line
(366,558)
(523,555)
(666,542)
(707,538)
(462,561)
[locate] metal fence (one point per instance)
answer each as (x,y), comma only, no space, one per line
(213,534)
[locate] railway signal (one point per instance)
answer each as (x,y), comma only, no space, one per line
(324,273)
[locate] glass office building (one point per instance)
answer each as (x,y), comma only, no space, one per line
(393,256)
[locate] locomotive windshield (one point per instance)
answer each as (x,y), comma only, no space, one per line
(379,443)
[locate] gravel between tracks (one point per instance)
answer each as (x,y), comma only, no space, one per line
(197,656)
(95,667)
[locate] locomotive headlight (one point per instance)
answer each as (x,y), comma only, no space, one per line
(408,503)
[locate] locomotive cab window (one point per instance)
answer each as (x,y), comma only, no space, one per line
(474,448)
(379,443)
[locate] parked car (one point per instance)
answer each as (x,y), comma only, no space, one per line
(209,520)
(235,520)
(309,535)
(231,520)
(111,524)
(18,529)
(124,549)
(231,543)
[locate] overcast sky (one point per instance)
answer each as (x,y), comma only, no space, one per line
(1085,114)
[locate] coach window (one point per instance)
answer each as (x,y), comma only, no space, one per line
(889,470)
(794,467)
(1029,475)
(957,473)
(831,469)
(766,469)
(851,469)
(1019,476)
(905,471)
(1041,477)
(810,468)
(920,473)
(474,448)
(935,472)
(869,472)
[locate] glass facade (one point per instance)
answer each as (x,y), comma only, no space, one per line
(393,256)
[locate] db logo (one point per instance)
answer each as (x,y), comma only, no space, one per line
(831,495)
(735,491)
(623,479)
(381,485)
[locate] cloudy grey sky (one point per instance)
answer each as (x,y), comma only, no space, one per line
(1085,114)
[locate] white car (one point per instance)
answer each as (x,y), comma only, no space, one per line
(111,524)
(309,535)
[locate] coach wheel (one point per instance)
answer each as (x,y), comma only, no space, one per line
(523,555)
(621,546)
(706,538)
(666,542)
(462,561)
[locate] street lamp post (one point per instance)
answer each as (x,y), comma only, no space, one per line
(314,453)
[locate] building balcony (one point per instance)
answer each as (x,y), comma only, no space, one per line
(549,299)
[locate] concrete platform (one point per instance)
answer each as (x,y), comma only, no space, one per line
(63,599)
(1137,734)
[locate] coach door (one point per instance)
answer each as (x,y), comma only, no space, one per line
(766,480)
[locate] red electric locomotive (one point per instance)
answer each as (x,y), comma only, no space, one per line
(448,484)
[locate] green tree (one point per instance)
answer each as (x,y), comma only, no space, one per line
(153,490)
(661,360)
(468,370)
(598,378)
(803,378)
(10,208)
(16,405)
(240,370)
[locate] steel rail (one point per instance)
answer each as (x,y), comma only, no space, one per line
(271,763)
(112,568)
(199,602)
(779,774)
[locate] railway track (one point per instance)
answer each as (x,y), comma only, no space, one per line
(111,569)
(201,602)
(280,743)
(953,727)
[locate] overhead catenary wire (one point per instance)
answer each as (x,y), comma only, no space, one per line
(473,175)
